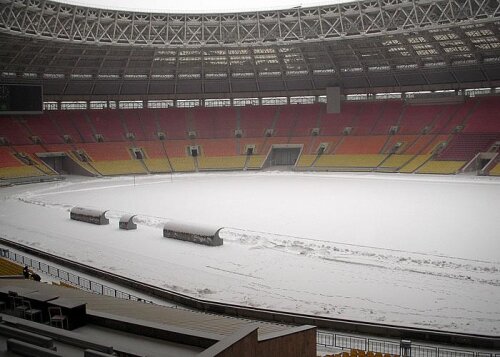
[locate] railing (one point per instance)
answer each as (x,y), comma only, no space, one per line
(325,339)
(348,342)
(73,279)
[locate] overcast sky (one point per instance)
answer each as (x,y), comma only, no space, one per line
(197,6)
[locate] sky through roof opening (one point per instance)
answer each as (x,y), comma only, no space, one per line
(199,6)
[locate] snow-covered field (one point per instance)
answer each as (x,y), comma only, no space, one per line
(400,249)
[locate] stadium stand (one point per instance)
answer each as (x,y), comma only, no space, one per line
(8,268)
(441,167)
(408,148)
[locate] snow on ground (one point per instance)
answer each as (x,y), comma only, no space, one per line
(397,249)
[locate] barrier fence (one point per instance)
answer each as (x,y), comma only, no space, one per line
(347,342)
(73,279)
(339,341)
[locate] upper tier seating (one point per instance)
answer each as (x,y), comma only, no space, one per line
(417,117)
(13,130)
(367,118)
(334,124)
(213,122)
(173,122)
(255,120)
(133,124)
(484,119)
(390,115)
(107,123)
(43,127)
(364,147)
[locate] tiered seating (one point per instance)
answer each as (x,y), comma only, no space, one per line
(495,171)
(43,127)
(173,122)
(224,121)
(182,164)
(63,121)
(394,162)
(7,159)
(83,127)
(218,147)
(221,163)
(367,118)
(390,115)
(350,161)
(177,148)
(456,118)
(309,145)
(464,147)
(107,123)
(334,124)
(255,120)
(19,171)
(306,160)
(119,167)
(361,145)
(13,131)
(258,142)
(485,118)
(256,161)
(406,141)
(286,120)
(107,151)
(149,123)
(31,151)
(9,268)
(156,160)
(425,144)
(158,165)
(307,119)
(417,117)
(441,167)
(213,122)
(132,121)
(415,163)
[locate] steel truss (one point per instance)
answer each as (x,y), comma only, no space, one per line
(53,20)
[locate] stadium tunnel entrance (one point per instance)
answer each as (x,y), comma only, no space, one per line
(283,156)
(62,163)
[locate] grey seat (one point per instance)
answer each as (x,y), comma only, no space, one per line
(19,306)
(56,317)
(30,312)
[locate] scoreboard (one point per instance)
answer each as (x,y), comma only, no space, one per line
(20,99)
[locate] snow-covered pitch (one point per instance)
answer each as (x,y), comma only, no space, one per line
(399,249)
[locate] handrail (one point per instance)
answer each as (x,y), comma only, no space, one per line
(76,280)
(360,327)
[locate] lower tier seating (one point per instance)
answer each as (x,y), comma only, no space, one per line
(306,160)
(158,165)
(119,167)
(394,162)
(182,164)
(20,171)
(221,163)
(256,161)
(495,171)
(415,163)
(441,167)
(349,161)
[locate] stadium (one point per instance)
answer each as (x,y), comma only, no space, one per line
(304,181)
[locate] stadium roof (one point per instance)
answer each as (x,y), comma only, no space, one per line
(364,46)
